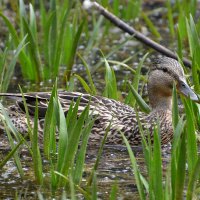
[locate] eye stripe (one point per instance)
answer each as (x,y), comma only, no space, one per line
(165,69)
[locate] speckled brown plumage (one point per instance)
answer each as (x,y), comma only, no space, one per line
(163,73)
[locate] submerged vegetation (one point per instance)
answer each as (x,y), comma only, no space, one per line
(50,46)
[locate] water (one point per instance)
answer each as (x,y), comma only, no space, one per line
(114,168)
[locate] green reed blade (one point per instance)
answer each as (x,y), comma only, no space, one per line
(9,126)
(74,138)
(37,160)
(180,45)
(111,84)
(83,83)
(135,169)
(116,9)
(167,189)
(71,118)
(99,154)
(28,121)
(10,155)
(78,171)
(22,14)
(146,142)
(114,191)
(175,111)
(191,136)
(181,165)
(49,123)
(48,62)
(33,53)
(133,71)
(94,187)
(60,39)
(94,35)
(182,24)
(72,189)
(192,36)
(53,32)
(63,137)
(91,82)
(151,26)
(8,72)
(144,107)
(130,99)
(32,24)
(193,180)
(24,59)
(133,9)
(170,17)
(15,153)
(194,51)
(78,188)
(72,52)
(156,171)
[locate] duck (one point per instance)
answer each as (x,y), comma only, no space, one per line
(163,74)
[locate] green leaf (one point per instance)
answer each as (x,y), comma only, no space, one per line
(82,152)
(156,172)
(175,111)
(193,179)
(84,84)
(135,169)
(111,84)
(180,173)
(37,160)
(144,107)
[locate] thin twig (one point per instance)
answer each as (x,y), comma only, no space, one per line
(126,28)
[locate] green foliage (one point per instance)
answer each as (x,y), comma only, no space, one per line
(15,136)
(184,151)
(56,44)
(7,69)
(111,84)
(133,95)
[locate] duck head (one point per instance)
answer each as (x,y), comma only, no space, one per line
(165,72)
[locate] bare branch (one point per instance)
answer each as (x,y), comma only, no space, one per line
(87,4)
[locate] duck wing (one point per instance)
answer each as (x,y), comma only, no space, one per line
(98,105)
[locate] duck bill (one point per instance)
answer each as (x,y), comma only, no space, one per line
(185,89)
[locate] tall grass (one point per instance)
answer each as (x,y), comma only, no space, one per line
(173,184)
(54,45)
(8,61)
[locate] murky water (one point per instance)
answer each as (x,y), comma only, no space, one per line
(114,168)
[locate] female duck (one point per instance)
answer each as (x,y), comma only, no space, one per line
(164,72)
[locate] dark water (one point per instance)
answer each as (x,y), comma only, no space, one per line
(114,168)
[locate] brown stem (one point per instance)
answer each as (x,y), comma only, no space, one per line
(139,36)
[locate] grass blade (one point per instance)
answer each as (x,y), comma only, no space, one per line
(144,107)
(135,169)
(111,84)
(37,160)
(193,180)
(180,173)
(156,172)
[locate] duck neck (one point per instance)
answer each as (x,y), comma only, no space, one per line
(160,102)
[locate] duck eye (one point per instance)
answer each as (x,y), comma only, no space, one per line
(165,69)
(183,85)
